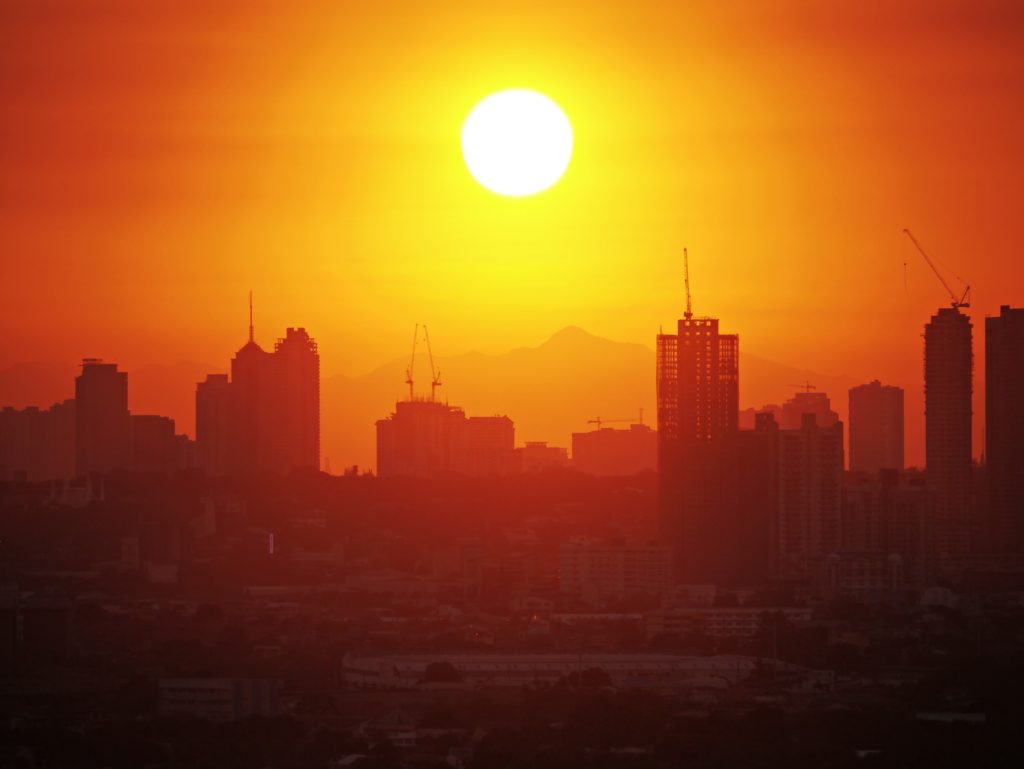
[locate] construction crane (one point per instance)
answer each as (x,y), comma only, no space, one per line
(686,280)
(435,373)
(806,386)
(412,361)
(599,421)
(965,298)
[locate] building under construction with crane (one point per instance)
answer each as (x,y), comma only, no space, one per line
(698,409)
(948,376)
(426,437)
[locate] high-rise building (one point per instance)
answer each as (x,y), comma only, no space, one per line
(607,451)
(810,497)
(948,368)
(876,427)
(698,409)
(213,423)
(252,386)
(296,402)
(267,417)
(103,429)
(1004,428)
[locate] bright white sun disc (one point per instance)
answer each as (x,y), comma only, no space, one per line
(517,142)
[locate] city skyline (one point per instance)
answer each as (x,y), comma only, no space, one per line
(772,387)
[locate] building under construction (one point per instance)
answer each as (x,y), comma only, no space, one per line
(698,409)
(425,438)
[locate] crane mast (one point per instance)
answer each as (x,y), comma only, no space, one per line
(965,298)
(686,279)
(412,361)
(435,373)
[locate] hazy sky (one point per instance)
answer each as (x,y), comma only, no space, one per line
(158,159)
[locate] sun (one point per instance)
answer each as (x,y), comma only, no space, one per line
(517,142)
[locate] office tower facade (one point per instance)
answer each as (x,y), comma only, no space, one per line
(1004,428)
(296,402)
(810,497)
(698,409)
(607,451)
(948,369)
(213,424)
(102,426)
(876,427)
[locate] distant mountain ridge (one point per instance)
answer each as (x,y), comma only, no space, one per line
(550,390)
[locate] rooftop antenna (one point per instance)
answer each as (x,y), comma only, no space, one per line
(250,316)
(412,360)
(686,279)
(435,373)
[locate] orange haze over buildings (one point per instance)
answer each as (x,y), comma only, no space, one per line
(159,159)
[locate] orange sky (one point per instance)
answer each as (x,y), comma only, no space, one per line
(159,158)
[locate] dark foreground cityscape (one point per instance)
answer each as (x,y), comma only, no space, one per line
(723,591)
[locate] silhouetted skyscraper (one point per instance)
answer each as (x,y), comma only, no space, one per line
(296,402)
(948,366)
(267,417)
(876,427)
(103,430)
(698,409)
(252,385)
(213,423)
(1004,427)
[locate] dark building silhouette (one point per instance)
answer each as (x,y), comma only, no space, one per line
(425,438)
(698,408)
(103,428)
(948,368)
(876,427)
(810,497)
(1004,427)
(154,444)
(267,417)
(892,515)
(607,451)
(793,410)
(295,411)
(213,424)
(488,442)
(38,444)
(537,456)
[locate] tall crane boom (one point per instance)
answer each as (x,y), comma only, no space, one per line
(965,298)
(412,361)
(686,279)
(435,373)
